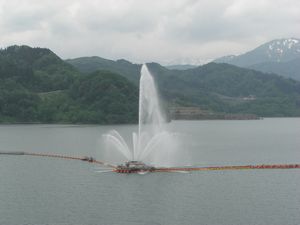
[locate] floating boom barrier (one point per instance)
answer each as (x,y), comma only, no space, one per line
(247,167)
(82,158)
(144,168)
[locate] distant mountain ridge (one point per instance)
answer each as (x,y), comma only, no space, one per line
(38,86)
(218,87)
(181,67)
(279,50)
(90,64)
(290,69)
(280,56)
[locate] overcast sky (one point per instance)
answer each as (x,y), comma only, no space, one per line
(165,31)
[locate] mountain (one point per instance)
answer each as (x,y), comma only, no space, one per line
(223,88)
(279,56)
(280,50)
(225,59)
(90,64)
(229,89)
(37,86)
(181,67)
(37,69)
(289,69)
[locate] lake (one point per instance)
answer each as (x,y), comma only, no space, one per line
(37,190)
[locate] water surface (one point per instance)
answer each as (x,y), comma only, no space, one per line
(53,191)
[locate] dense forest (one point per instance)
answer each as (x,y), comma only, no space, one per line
(217,87)
(36,86)
(230,89)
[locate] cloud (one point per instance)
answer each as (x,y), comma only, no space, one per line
(144,30)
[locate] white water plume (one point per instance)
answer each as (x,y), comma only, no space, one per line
(153,143)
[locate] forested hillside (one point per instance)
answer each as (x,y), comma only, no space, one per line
(216,87)
(36,86)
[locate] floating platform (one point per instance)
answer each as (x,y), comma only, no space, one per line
(134,167)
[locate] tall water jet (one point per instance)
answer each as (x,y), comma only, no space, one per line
(151,119)
(152,143)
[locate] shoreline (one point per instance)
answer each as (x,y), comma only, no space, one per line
(125,124)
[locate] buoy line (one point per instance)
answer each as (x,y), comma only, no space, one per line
(124,169)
